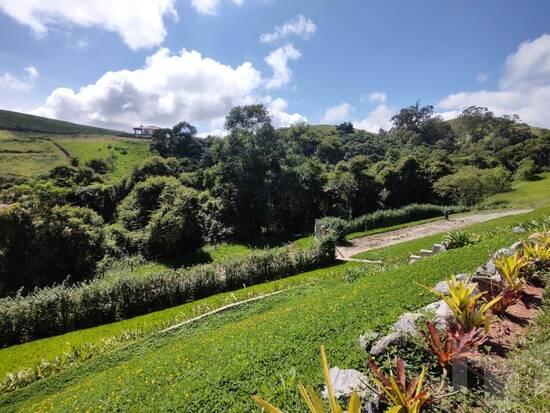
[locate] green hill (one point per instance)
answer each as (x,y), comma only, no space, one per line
(16,121)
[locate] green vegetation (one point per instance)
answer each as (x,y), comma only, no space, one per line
(209,364)
(30,123)
(121,154)
(531,194)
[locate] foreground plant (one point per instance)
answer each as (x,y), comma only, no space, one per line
(510,267)
(403,397)
(458,343)
(314,402)
(470,312)
(537,252)
(459,239)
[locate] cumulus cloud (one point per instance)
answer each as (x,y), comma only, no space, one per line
(338,113)
(374,97)
(298,26)
(379,118)
(167,89)
(524,88)
(140,23)
(278,60)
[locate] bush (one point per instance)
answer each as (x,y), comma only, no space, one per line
(100,166)
(459,239)
(388,217)
(527,171)
(335,228)
(63,308)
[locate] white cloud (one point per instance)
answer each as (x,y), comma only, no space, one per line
(278,60)
(140,23)
(206,6)
(281,118)
(299,26)
(524,87)
(379,118)
(10,82)
(31,71)
(374,97)
(338,113)
(167,89)
(482,77)
(210,7)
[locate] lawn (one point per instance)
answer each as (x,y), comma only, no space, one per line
(533,194)
(217,363)
(125,153)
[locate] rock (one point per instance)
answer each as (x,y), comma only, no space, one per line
(381,345)
(516,246)
(438,248)
(443,315)
(432,307)
(407,324)
(345,382)
(366,340)
(518,230)
(503,251)
(442,287)
(490,268)
(462,276)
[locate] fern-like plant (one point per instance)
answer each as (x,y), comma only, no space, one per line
(459,239)
(312,400)
(537,252)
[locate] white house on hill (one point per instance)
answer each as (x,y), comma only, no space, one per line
(145,131)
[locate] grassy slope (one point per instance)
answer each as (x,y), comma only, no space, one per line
(210,365)
(31,123)
(126,153)
(525,194)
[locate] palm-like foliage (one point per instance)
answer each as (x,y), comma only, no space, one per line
(403,397)
(312,400)
(539,252)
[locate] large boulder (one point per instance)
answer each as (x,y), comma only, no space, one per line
(367,339)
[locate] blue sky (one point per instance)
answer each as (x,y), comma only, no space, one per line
(328,61)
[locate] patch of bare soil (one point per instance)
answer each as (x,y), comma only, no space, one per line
(385,239)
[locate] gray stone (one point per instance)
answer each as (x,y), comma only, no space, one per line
(366,340)
(462,276)
(345,382)
(503,251)
(443,315)
(438,248)
(442,287)
(490,268)
(381,345)
(518,230)
(516,246)
(432,307)
(407,324)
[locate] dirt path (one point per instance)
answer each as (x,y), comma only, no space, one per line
(385,239)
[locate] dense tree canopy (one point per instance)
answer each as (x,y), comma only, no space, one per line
(256,182)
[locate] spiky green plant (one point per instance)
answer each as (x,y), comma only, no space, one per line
(312,400)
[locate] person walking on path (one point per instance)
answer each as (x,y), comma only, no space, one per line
(446,214)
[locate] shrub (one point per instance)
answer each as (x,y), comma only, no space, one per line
(100,166)
(335,227)
(458,239)
(527,170)
(63,308)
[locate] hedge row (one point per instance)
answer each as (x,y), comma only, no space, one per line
(385,218)
(62,308)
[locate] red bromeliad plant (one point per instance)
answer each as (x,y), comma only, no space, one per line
(458,344)
(403,397)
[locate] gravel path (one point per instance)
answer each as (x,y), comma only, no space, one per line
(385,239)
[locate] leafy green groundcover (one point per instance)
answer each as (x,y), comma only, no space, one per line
(215,365)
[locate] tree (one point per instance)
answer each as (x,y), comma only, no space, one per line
(527,170)
(345,128)
(250,118)
(463,187)
(412,118)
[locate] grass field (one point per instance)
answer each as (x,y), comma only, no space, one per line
(25,155)
(319,297)
(125,153)
(216,364)
(534,194)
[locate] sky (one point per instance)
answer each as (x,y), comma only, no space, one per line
(122,63)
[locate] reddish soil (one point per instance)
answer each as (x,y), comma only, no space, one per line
(505,333)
